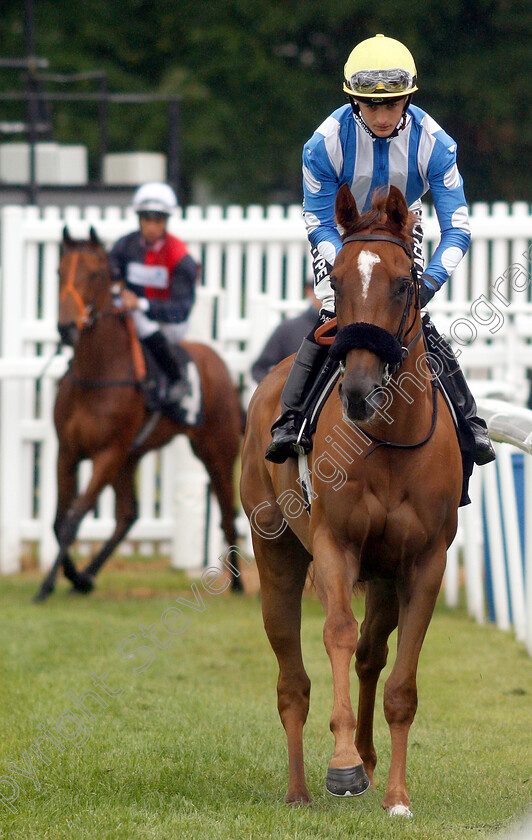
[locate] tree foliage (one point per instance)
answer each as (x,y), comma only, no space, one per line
(257,76)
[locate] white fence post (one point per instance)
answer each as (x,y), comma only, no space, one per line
(190,497)
(254,263)
(12,266)
(528,552)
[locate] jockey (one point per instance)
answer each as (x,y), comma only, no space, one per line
(376,140)
(159,276)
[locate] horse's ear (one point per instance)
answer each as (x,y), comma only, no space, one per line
(345,208)
(396,208)
(95,239)
(67,239)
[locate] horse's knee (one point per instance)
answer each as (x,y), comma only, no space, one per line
(66,528)
(293,692)
(400,702)
(340,632)
(131,517)
(370,658)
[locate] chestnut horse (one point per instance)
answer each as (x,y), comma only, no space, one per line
(384,480)
(100,410)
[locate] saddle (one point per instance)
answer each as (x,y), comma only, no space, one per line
(184,404)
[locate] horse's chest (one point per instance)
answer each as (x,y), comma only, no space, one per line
(385,535)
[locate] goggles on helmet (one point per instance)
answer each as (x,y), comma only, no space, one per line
(372,81)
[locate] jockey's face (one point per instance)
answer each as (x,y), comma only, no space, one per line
(382,119)
(152,226)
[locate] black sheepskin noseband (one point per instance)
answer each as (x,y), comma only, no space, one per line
(367,337)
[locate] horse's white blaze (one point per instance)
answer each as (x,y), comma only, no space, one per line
(399,811)
(366,261)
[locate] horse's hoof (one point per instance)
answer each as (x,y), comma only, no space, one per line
(299,800)
(399,811)
(237,585)
(299,803)
(347,781)
(84,583)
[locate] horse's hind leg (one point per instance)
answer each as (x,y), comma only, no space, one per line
(219,462)
(68,520)
(283,565)
(371,655)
(126,514)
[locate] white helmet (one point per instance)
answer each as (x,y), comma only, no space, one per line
(158,198)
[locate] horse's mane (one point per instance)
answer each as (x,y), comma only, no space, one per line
(375,220)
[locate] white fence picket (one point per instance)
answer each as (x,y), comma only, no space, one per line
(254,262)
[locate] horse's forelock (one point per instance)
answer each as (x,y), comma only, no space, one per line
(375,220)
(85,246)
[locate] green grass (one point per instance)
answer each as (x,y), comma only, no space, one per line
(193,747)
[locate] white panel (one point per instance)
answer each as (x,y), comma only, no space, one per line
(272,248)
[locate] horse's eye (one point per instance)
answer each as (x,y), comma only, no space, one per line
(402,285)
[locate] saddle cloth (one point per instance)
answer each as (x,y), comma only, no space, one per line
(185,408)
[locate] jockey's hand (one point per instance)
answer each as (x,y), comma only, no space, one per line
(130,299)
(325,315)
(428,289)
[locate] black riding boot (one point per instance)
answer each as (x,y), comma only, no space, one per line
(160,350)
(287,428)
(458,391)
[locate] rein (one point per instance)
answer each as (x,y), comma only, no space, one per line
(70,289)
(391,444)
(87,318)
(139,366)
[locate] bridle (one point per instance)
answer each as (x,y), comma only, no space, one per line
(87,313)
(390,348)
(87,316)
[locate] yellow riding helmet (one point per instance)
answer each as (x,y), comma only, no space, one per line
(382,67)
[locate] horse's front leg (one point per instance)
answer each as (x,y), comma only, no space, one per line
(67,464)
(381,617)
(417,597)
(68,520)
(335,574)
(126,513)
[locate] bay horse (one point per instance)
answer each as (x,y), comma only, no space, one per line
(100,410)
(384,483)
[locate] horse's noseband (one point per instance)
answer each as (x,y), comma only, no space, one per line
(368,337)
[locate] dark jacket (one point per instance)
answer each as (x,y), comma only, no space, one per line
(164,275)
(284,340)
